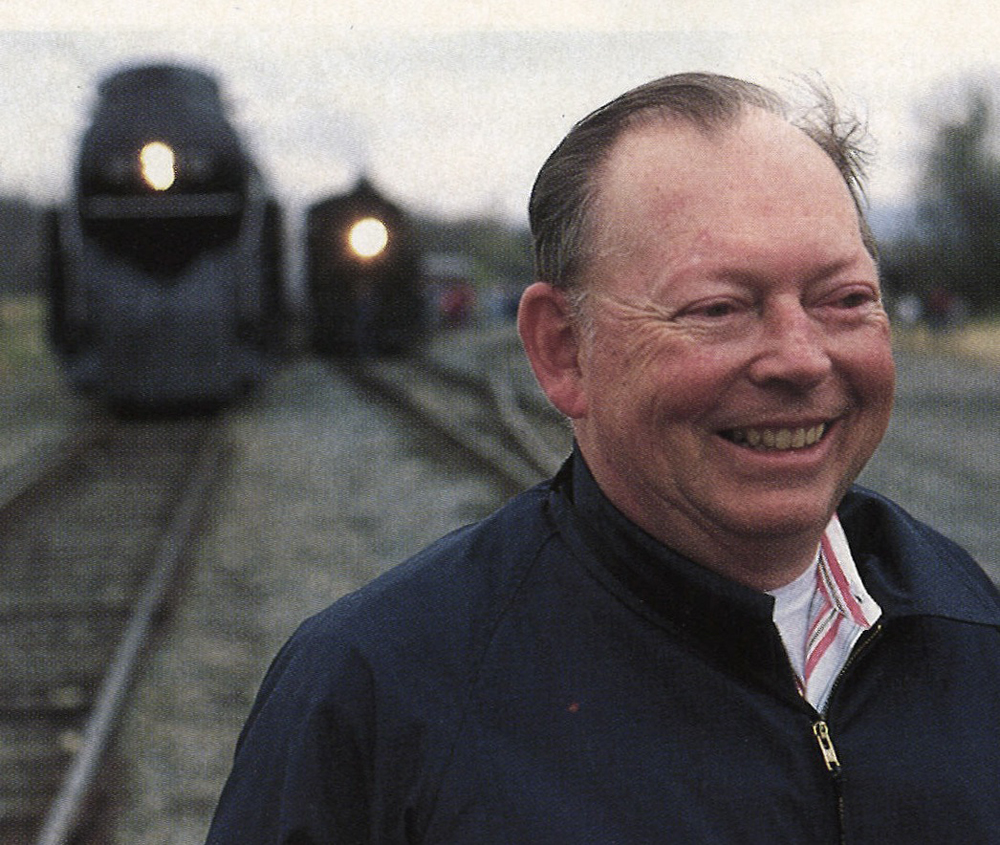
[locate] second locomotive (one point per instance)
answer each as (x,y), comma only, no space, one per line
(363,275)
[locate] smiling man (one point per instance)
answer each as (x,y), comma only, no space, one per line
(699,631)
(735,373)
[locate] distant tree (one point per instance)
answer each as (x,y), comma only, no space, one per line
(20,245)
(957,242)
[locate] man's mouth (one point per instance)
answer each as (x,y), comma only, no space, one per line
(776,439)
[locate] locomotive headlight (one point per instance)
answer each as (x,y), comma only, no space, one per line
(157,161)
(368,237)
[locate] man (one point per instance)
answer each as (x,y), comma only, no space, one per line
(698,631)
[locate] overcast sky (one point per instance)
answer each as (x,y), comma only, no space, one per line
(452,106)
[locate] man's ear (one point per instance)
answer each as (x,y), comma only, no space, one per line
(544,321)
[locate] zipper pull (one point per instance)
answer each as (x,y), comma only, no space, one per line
(822,733)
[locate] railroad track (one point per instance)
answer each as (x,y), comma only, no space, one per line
(91,539)
(488,410)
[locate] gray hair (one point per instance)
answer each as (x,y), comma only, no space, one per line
(563,194)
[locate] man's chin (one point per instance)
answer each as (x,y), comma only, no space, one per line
(778,517)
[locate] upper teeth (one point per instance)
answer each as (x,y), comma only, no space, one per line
(778,438)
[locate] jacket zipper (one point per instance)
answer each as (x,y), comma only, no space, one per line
(822,733)
(821,730)
(863,645)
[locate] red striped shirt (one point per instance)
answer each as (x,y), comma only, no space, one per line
(841,611)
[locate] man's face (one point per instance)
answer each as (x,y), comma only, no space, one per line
(736,370)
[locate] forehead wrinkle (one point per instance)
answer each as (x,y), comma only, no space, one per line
(712,252)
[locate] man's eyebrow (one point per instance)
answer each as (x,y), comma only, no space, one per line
(741,275)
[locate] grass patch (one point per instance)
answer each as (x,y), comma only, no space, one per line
(23,344)
(978,340)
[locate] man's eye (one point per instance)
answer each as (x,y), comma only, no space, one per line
(855,299)
(714,309)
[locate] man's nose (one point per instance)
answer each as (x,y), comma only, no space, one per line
(793,348)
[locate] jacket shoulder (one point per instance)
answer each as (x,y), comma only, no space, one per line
(364,700)
(913,563)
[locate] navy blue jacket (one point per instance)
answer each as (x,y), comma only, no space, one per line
(555,675)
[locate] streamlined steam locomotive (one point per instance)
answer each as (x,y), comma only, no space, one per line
(363,275)
(166,283)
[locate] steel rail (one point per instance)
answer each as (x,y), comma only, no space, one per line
(520,464)
(512,469)
(67,809)
(41,466)
(500,381)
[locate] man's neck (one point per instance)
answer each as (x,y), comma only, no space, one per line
(759,563)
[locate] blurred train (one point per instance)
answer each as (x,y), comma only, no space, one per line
(166,282)
(363,276)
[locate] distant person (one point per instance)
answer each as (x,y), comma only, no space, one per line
(698,631)
(940,302)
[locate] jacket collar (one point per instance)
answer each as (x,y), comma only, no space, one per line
(908,568)
(729,623)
